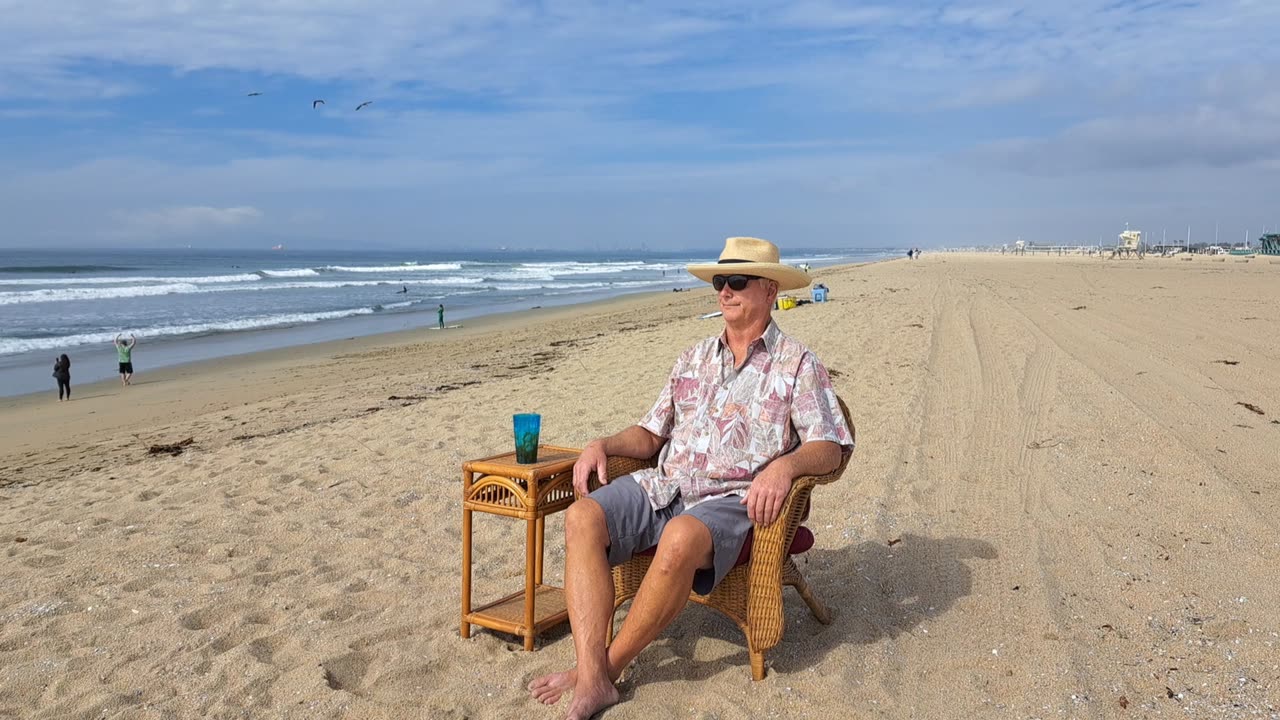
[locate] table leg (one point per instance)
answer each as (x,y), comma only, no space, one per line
(530,546)
(542,526)
(465,631)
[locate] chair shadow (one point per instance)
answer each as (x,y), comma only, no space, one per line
(874,592)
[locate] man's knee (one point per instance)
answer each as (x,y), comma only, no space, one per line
(685,546)
(584,521)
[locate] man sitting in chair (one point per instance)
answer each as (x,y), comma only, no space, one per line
(743,415)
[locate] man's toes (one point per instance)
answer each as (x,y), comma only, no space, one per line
(544,691)
(547,694)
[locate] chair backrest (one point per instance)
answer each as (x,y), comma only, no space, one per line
(853,433)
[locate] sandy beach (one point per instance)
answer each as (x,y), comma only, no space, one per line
(1064,504)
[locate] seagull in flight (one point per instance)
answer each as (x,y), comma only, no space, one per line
(316,103)
(366,102)
(253,94)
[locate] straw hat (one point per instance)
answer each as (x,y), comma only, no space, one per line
(753,256)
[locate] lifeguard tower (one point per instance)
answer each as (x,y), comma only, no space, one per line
(1269,244)
(1128,244)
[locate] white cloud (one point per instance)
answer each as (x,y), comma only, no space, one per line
(1241,135)
(814,14)
(524,49)
(193,219)
(769,107)
(53,113)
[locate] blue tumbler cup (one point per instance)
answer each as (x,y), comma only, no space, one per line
(527,427)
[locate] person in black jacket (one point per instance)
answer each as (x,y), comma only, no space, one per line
(62,373)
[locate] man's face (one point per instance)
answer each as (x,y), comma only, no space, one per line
(754,302)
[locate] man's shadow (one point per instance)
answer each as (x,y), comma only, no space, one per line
(874,592)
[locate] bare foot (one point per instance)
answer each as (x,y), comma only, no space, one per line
(548,688)
(587,701)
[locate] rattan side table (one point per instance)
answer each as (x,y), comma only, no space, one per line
(498,485)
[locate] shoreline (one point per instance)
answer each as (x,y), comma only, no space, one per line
(24,372)
(214,347)
(480,322)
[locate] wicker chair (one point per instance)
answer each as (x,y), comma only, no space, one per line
(751,594)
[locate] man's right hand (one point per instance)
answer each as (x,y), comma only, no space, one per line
(592,459)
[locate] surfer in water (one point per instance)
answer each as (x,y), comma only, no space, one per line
(403,291)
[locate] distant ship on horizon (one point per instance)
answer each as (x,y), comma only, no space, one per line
(278,247)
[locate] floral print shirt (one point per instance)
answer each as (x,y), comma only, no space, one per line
(723,424)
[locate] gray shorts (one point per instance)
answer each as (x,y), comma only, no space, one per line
(634,526)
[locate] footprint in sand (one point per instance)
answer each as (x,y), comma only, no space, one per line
(263,649)
(346,672)
(230,641)
(338,614)
(203,618)
(260,617)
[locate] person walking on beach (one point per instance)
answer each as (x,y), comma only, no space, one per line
(742,415)
(124,353)
(440,317)
(62,373)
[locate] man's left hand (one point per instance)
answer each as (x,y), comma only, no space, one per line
(767,493)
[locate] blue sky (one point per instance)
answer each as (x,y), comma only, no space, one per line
(614,124)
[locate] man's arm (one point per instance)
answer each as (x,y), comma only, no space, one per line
(633,442)
(770,487)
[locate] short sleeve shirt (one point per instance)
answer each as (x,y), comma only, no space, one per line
(723,423)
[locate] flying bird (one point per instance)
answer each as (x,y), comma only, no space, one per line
(253,94)
(366,102)
(316,103)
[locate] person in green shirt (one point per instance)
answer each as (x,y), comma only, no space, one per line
(124,353)
(440,317)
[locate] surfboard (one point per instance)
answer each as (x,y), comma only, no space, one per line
(710,315)
(446,327)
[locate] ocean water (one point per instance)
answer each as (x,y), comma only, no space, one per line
(187,305)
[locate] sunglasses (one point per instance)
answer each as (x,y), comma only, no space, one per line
(737,283)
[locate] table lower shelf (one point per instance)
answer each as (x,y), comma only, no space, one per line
(507,615)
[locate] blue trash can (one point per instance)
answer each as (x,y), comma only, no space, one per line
(819,294)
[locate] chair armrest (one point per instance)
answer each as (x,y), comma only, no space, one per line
(770,544)
(619,466)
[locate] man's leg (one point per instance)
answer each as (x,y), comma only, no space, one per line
(588,585)
(685,547)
